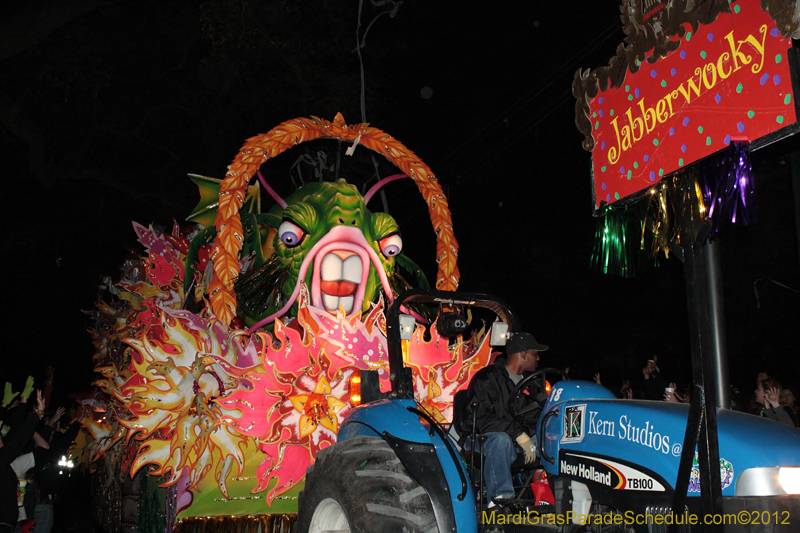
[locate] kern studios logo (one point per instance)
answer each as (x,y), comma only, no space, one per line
(574,422)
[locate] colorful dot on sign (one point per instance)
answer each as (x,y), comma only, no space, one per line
(683,54)
(776,79)
(603,146)
(671,132)
(652,175)
(601,112)
(603,169)
(703,54)
(727,140)
(630,173)
(718,98)
(653,73)
(699,129)
(627,88)
(739,88)
(604,184)
(710,37)
(594,114)
(673,72)
(647,157)
(683,148)
(740,126)
(708,141)
(774,32)
(680,162)
(688,36)
(764,78)
(655,142)
(779,57)
(685,121)
(600,101)
(637,92)
(616,195)
(737,8)
(751,114)
(788,98)
(608,198)
(660,171)
(779,119)
(612,112)
(635,164)
(663,83)
(630,97)
(622,170)
(597,124)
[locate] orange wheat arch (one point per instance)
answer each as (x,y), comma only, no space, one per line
(256,150)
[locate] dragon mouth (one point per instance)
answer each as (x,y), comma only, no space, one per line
(341,286)
(340,275)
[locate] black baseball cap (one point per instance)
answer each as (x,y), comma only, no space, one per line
(521,341)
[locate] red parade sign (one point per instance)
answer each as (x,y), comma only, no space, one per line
(729,80)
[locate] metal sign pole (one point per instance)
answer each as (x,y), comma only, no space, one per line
(706,331)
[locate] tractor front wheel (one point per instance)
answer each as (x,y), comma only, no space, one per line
(360,486)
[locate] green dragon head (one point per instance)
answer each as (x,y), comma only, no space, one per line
(328,238)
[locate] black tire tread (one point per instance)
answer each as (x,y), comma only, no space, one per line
(366,478)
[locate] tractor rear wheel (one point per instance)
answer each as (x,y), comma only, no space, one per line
(360,486)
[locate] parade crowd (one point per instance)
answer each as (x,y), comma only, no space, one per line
(768,399)
(33,439)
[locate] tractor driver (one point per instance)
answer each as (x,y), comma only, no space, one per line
(487,405)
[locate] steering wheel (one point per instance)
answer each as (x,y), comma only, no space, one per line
(522,385)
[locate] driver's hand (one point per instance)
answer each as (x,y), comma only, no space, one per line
(528,447)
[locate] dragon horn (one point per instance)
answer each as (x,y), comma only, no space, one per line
(381,183)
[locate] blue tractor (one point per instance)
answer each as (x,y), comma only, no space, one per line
(612,465)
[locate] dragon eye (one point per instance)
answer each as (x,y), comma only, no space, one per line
(391,245)
(291,234)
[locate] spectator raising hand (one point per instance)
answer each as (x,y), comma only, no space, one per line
(772,397)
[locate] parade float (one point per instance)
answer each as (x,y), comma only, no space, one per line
(226,347)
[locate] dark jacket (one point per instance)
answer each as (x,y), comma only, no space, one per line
(783,414)
(13,444)
(491,388)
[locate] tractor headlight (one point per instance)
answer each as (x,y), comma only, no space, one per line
(768,481)
(789,478)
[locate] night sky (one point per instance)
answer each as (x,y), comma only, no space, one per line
(106,106)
